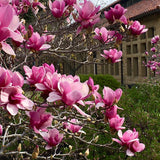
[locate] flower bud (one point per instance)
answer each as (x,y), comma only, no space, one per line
(80,153)
(96,139)
(35,152)
(70,147)
(19,148)
(86,152)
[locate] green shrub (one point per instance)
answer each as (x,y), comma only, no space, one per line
(102,80)
(141,106)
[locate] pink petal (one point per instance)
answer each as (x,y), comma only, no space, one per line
(53,96)
(80,111)
(129,153)
(7,48)
(12,109)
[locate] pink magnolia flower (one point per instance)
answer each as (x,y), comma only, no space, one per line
(5,77)
(49,68)
(136,28)
(70,2)
(34,75)
(153,49)
(9,24)
(40,120)
(116,13)
(37,42)
(12,98)
(127,137)
(70,92)
(91,85)
(1,130)
(4,2)
(87,15)
(113,55)
(130,140)
(23,5)
(50,82)
(116,123)
(52,137)
(73,126)
(17,79)
(57,7)
(155,39)
(111,112)
(110,97)
(135,147)
(101,34)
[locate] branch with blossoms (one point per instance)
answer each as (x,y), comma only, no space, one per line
(56,115)
(153,57)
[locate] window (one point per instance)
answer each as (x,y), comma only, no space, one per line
(128,48)
(129,67)
(135,66)
(111,69)
(150,32)
(135,48)
(149,46)
(107,68)
(117,68)
(143,47)
(143,36)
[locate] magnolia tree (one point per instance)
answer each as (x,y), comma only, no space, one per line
(56,115)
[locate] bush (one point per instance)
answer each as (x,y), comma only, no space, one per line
(102,80)
(141,106)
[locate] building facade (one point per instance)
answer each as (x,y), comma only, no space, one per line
(131,69)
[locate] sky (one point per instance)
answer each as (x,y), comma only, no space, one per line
(103,3)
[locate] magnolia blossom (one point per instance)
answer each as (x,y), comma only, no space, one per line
(5,77)
(57,7)
(116,123)
(70,92)
(110,97)
(42,76)
(52,137)
(87,15)
(40,120)
(113,55)
(111,112)
(116,13)
(73,126)
(130,140)
(34,75)
(136,28)
(12,98)
(70,2)
(37,42)
(8,78)
(155,39)
(1,129)
(22,6)
(17,79)
(50,82)
(9,23)
(153,49)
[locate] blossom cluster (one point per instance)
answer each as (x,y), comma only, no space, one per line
(153,56)
(11,93)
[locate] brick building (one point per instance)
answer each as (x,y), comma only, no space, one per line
(131,69)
